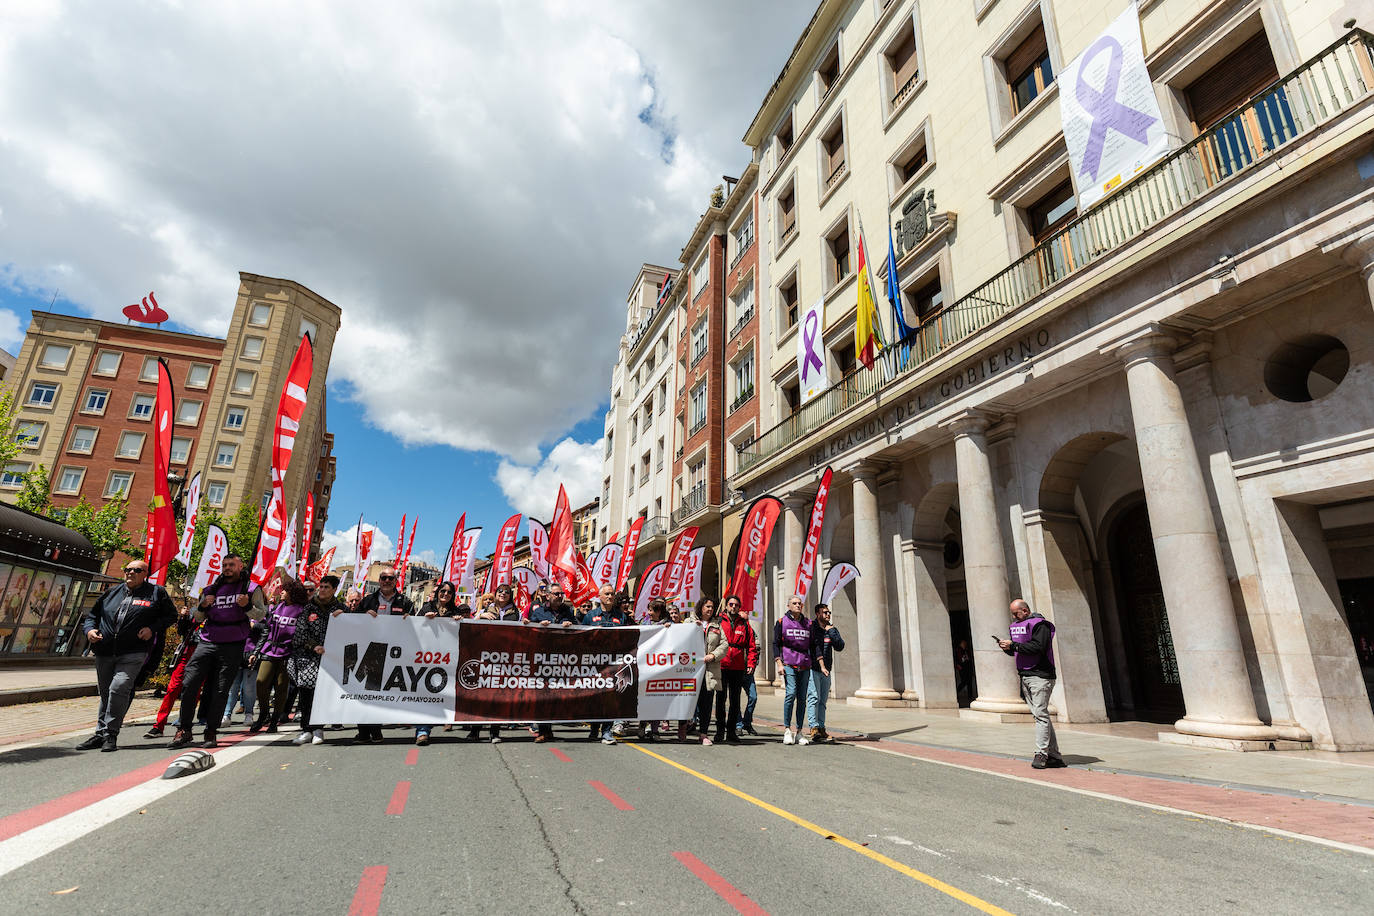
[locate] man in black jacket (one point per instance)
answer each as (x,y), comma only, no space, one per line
(122,628)
(386,600)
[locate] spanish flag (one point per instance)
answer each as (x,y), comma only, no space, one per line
(868,329)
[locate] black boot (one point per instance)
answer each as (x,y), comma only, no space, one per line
(258,723)
(91,743)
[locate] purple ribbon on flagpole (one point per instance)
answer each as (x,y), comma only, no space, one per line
(809,342)
(1103,107)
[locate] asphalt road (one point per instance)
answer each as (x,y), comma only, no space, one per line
(516,827)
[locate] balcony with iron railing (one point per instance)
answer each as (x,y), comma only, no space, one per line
(836,175)
(788,231)
(699,352)
(692,503)
(644,477)
(739,324)
(1294,106)
(744,398)
(742,247)
(697,427)
(655,526)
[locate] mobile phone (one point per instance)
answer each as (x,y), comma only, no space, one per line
(996,638)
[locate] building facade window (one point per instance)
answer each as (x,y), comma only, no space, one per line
(837,254)
(83,440)
(252,348)
(696,409)
(198,376)
(117,485)
(833,154)
(701,274)
(899,64)
(130,445)
(828,70)
(149,371)
(1029,72)
(787,213)
(42,394)
(225,455)
(107,363)
(787,304)
(700,339)
(743,235)
(235,418)
(96,400)
(261,315)
(215,493)
(29,433)
(141,407)
(69,481)
(188,413)
(55,356)
(742,379)
(12,477)
(181,450)
(243,382)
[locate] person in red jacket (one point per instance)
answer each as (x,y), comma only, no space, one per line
(737,667)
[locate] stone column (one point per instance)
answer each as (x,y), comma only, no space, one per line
(931,651)
(1063,591)
(875,654)
(985,571)
(1197,596)
(794,533)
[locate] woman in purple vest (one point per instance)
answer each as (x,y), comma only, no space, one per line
(279,629)
(792,649)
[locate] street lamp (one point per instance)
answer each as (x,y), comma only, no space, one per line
(177,485)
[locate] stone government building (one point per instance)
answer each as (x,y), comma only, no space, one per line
(1153,420)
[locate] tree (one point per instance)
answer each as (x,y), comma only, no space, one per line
(33,495)
(242,531)
(103,527)
(9,448)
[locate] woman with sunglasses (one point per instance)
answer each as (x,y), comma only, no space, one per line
(441,605)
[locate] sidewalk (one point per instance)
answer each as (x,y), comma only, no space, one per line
(38,683)
(32,721)
(1123,749)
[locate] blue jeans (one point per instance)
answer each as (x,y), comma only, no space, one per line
(422,730)
(752,691)
(794,690)
(245,688)
(817,695)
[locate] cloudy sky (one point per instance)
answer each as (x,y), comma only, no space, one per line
(474,183)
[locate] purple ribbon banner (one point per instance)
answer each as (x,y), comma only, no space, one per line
(1104,109)
(809,330)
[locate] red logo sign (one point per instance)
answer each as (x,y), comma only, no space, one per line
(145,314)
(670,685)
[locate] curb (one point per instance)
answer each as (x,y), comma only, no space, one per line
(22,695)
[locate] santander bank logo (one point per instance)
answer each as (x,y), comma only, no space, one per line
(145,314)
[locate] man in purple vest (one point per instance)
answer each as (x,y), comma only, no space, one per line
(228,608)
(1031,644)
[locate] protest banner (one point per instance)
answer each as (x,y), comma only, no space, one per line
(414,670)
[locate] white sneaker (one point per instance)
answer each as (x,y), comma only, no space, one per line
(787,737)
(226,721)
(618,729)
(495,739)
(802,740)
(317,736)
(302,738)
(607,739)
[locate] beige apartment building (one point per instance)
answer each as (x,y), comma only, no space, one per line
(1153,419)
(86,391)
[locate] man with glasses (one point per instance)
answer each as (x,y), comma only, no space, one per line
(121,629)
(227,609)
(384,602)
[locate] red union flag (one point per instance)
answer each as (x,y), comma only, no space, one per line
(607,564)
(320,568)
(627,562)
(162,540)
(290,409)
(650,585)
(307,534)
(677,559)
(751,549)
(405,560)
(562,539)
(691,575)
(400,544)
(806,568)
(504,560)
(188,533)
(453,569)
(582,584)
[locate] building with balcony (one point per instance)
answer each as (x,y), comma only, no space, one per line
(86,390)
(637,472)
(1153,419)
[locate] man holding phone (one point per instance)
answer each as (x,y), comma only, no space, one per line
(1031,644)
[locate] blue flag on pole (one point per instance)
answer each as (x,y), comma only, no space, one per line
(900,330)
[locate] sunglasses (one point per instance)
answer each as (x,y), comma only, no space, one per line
(386,578)
(135,569)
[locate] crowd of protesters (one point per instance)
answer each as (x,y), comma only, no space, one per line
(258,655)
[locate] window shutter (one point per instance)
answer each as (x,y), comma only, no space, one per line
(1027,53)
(903,60)
(1233,81)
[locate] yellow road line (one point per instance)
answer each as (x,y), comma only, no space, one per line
(942,887)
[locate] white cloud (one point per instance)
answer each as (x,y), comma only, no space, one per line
(533,490)
(11,331)
(473,184)
(345,543)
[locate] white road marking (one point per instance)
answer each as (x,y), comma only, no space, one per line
(1015,884)
(902,841)
(20,850)
(1321,841)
